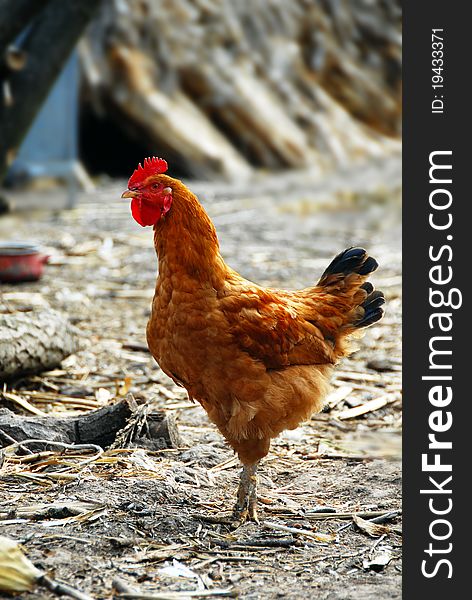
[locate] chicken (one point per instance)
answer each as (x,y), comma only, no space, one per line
(258,360)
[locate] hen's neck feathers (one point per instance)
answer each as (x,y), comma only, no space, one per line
(186,242)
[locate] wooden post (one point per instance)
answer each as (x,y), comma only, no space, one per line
(14,17)
(47,45)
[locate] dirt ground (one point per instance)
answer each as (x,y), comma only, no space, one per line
(143,519)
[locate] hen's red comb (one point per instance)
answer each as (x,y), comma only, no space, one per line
(152,166)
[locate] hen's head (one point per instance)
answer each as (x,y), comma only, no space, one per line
(149,190)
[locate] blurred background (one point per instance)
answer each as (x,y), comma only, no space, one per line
(221,89)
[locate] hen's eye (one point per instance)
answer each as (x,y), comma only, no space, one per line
(155,186)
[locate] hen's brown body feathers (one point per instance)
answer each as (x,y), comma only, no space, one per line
(258,360)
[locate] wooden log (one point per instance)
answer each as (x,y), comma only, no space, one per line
(35,342)
(104,427)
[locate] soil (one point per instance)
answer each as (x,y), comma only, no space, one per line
(145,518)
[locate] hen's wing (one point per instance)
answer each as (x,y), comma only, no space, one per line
(305,327)
(271,326)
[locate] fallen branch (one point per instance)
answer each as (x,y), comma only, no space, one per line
(62,589)
(348,515)
(318,537)
(181,595)
(367,407)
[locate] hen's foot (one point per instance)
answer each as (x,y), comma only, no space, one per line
(246,504)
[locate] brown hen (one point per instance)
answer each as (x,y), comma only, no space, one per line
(258,360)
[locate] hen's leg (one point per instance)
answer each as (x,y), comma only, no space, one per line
(246,504)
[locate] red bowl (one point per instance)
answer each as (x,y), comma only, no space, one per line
(21,262)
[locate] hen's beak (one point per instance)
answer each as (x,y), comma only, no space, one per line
(129,194)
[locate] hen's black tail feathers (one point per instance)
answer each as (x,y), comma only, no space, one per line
(352,260)
(372,306)
(356,260)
